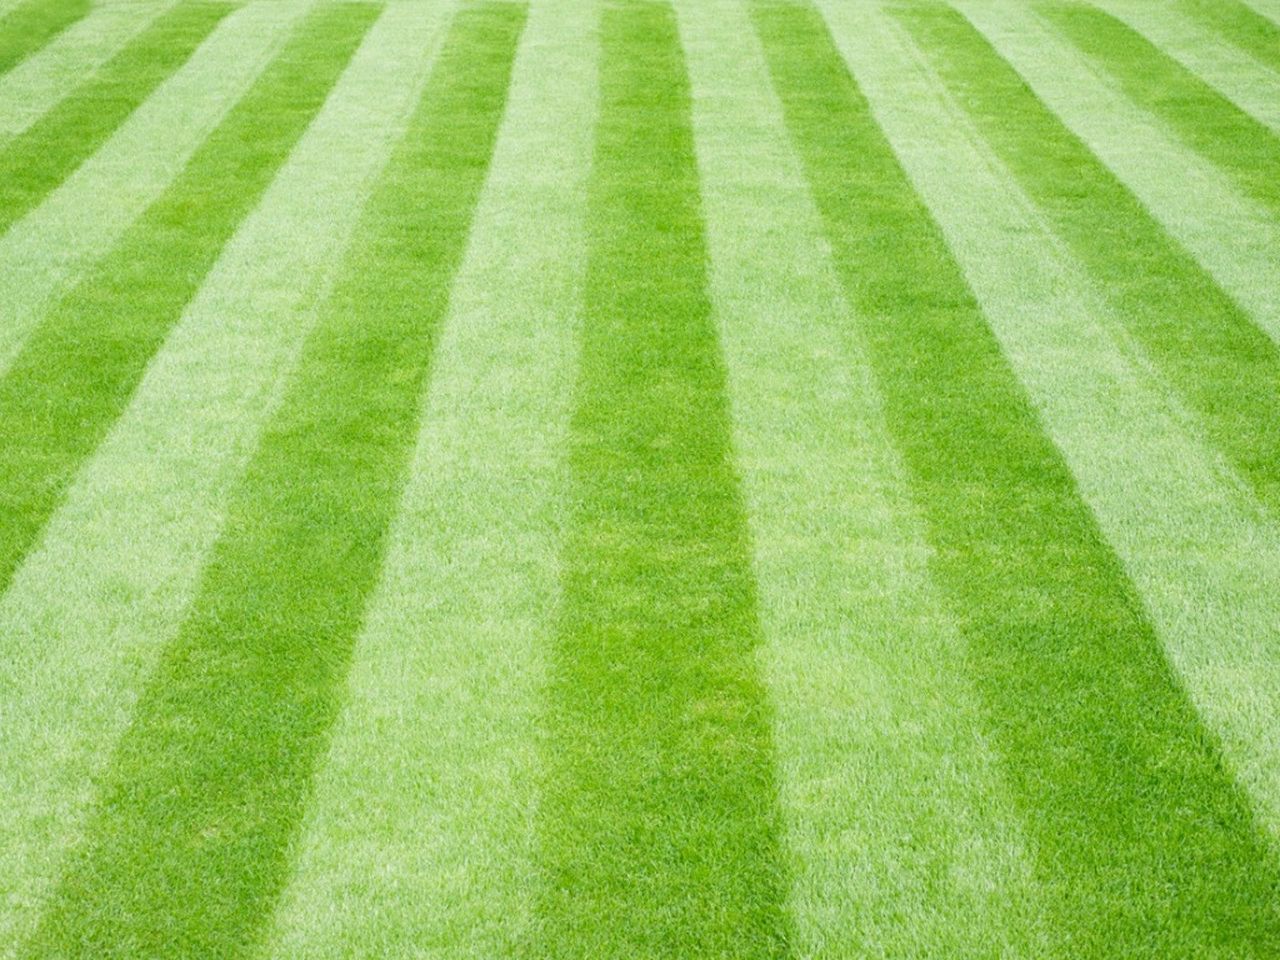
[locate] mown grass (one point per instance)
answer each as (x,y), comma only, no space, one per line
(33,23)
(41,157)
(1207,121)
(77,371)
(899,834)
(658,830)
(422,820)
(1223,366)
(1145,846)
(1240,24)
(190,844)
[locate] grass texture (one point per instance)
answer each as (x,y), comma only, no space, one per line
(659,827)
(41,157)
(639,479)
(1059,645)
(76,372)
(253,641)
(32,24)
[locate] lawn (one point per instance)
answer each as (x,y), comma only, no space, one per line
(639,479)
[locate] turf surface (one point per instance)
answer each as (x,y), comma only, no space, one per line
(630,478)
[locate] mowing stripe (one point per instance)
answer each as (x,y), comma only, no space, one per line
(1145,845)
(1242,25)
(901,837)
(1205,559)
(242,701)
(78,369)
(1241,79)
(1269,9)
(658,830)
(90,609)
(1231,236)
(1221,365)
(40,82)
(81,220)
(39,159)
(32,24)
(418,841)
(1204,119)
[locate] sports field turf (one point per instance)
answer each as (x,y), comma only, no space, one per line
(639,479)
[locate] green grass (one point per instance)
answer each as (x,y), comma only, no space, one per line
(1058,642)
(79,367)
(33,23)
(37,160)
(243,699)
(639,479)
(1240,24)
(1206,120)
(422,820)
(899,833)
(1223,366)
(659,823)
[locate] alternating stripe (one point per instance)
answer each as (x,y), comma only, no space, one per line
(659,825)
(1203,118)
(1242,25)
(77,371)
(1234,74)
(1172,513)
(36,85)
(1145,846)
(1270,9)
(37,160)
(242,701)
(901,838)
(89,611)
(30,25)
(46,250)
(1222,366)
(1232,237)
(420,826)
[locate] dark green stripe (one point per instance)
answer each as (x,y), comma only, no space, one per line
(1203,118)
(1144,844)
(1242,25)
(658,832)
(190,845)
(1223,367)
(29,26)
(41,157)
(80,366)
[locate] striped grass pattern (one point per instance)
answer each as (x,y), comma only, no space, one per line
(639,478)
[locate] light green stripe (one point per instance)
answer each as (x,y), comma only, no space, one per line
(1241,25)
(1268,8)
(242,701)
(37,84)
(30,24)
(1231,236)
(81,220)
(1233,73)
(901,839)
(90,610)
(420,826)
(1203,555)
